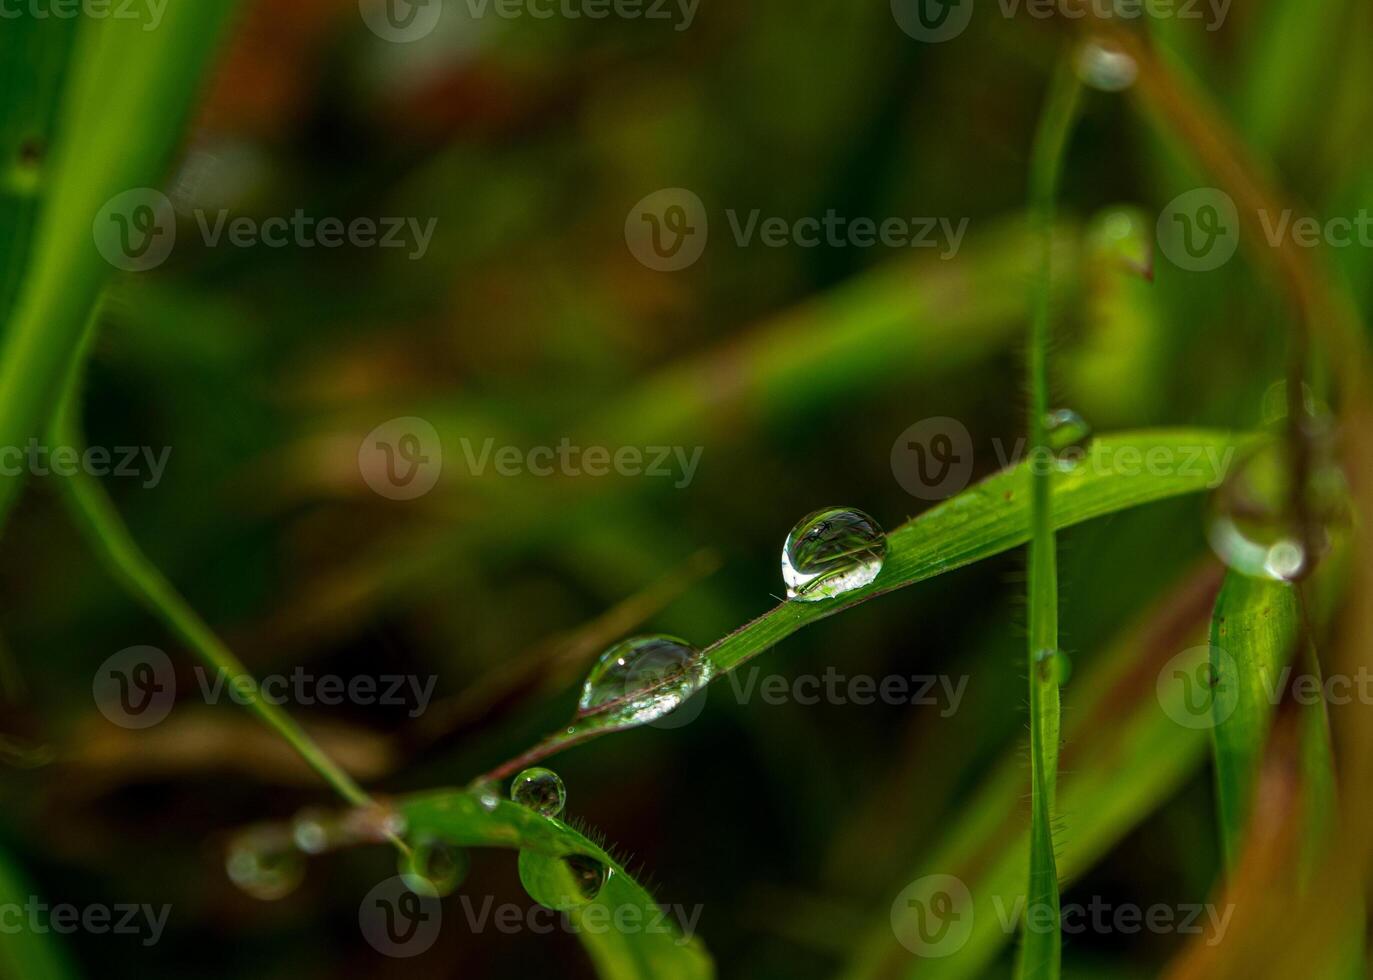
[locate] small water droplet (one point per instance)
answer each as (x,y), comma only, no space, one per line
(433,868)
(1054,665)
(265,863)
(1250,526)
(1106,67)
(312,831)
(488,795)
(541,790)
(1273,407)
(642,679)
(562,883)
(1066,429)
(832,552)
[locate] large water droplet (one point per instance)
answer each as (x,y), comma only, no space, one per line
(1251,526)
(541,790)
(265,863)
(641,680)
(1106,67)
(832,552)
(433,868)
(562,883)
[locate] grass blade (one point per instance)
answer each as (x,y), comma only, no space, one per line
(650,947)
(1254,631)
(987,519)
(124,104)
(1040,952)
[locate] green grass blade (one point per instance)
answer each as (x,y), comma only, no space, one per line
(649,946)
(987,519)
(34,59)
(122,111)
(1254,631)
(1041,952)
(26,954)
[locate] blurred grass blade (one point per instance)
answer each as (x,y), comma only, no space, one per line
(26,953)
(122,112)
(1041,949)
(987,519)
(649,946)
(1254,631)
(34,59)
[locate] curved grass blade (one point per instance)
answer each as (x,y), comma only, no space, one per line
(991,517)
(626,933)
(125,100)
(1041,951)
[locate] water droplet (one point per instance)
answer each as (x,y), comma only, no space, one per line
(265,863)
(832,552)
(1250,525)
(562,883)
(641,680)
(433,868)
(488,795)
(541,790)
(1124,236)
(1054,665)
(1106,67)
(1066,429)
